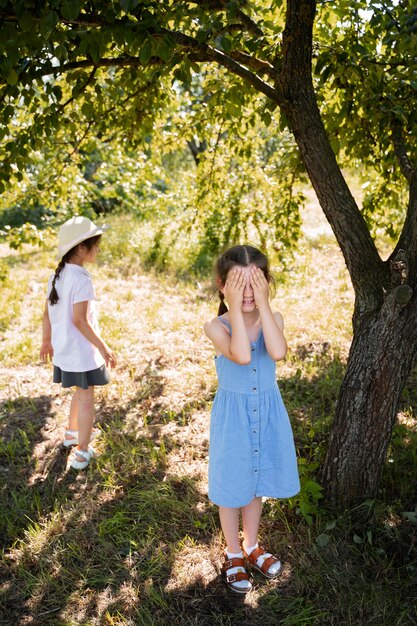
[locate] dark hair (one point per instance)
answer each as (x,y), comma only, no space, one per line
(243,256)
(89,244)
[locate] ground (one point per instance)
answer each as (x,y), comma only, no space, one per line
(134,539)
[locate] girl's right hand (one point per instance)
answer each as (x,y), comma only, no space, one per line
(47,351)
(234,287)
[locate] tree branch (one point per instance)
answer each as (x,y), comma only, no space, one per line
(83,88)
(300,106)
(258,65)
(122,61)
(251,26)
(400,149)
(209,53)
(407,241)
(201,53)
(408,238)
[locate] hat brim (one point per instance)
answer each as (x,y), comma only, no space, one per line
(98,230)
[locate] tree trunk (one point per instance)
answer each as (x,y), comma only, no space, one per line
(384,323)
(381,357)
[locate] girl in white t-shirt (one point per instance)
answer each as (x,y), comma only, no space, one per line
(71,336)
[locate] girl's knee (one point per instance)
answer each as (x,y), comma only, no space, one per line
(85,395)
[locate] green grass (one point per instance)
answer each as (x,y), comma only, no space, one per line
(133,540)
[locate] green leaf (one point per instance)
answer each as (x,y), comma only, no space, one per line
(357,539)
(57,91)
(26,22)
(86,109)
(49,21)
(8,112)
(411,516)
(266,118)
(283,121)
(70,9)
(119,34)
(322,540)
(225,44)
(164,51)
(335,144)
(145,52)
(12,77)
(61,52)
(95,48)
(128,5)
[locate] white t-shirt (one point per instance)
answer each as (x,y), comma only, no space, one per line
(72,351)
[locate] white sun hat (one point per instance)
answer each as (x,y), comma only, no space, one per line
(75,231)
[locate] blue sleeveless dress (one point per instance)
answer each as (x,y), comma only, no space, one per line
(251,449)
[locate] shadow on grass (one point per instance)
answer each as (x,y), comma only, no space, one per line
(25,422)
(133,540)
(76,543)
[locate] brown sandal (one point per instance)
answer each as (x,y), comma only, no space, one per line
(231,579)
(264,568)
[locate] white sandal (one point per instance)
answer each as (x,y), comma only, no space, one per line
(87,455)
(71,437)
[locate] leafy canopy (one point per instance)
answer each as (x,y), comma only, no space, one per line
(103,102)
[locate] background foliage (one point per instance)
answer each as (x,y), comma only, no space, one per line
(137,122)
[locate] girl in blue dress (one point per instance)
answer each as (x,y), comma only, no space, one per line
(252,452)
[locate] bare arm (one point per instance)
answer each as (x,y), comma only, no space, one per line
(236,346)
(272,323)
(47,350)
(81,322)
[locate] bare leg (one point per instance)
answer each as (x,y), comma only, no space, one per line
(251,516)
(229,519)
(73,414)
(86,416)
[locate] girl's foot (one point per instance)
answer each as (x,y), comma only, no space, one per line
(71,437)
(235,574)
(80,459)
(263,561)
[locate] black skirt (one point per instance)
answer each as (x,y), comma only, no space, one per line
(99,376)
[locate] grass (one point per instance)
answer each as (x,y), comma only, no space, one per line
(133,540)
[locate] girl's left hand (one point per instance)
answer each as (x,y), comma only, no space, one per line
(259,285)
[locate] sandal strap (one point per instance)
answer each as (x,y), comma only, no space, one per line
(267,564)
(235,562)
(254,556)
(235,578)
(85,454)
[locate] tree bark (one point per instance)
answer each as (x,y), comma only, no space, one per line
(381,357)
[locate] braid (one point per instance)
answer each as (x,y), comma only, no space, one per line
(222,306)
(53,296)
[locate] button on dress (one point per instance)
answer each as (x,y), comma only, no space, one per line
(251,451)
